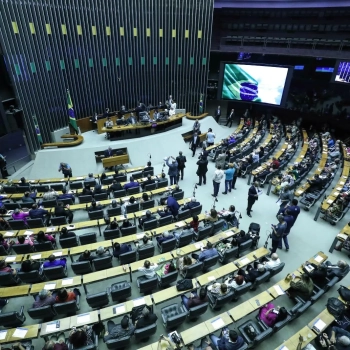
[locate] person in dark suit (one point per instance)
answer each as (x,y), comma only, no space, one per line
(149,167)
(252,197)
(251,274)
(181,160)
(108,152)
(202,170)
(230,118)
(218,114)
(189,205)
(149,181)
(194,143)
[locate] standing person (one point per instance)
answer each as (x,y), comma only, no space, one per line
(181,160)
(252,197)
(230,117)
(235,175)
(218,176)
(294,209)
(286,196)
(195,141)
(3,168)
(218,114)
(289,220)
(228,178)
(196,127)
(173,170)
(210,137)
(277,233)
(66,169)
(202,170)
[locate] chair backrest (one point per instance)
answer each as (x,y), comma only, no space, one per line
(119,343)
(148,172)
(59,220)
(101,196)
(196,210)
(41,313)
(30,277)
(145,253)
(57,187)
(66,201)
(230,253)
(179,195)
(163,183)
(192,270)
(207,263)
(111,234)
(203,232)
(43,247)
(3,251)
(126,231)
(68,242)
(55,273)
(217,226)
(331,283)
(22,189)
(138,175)
(51,203)
(76,185)
(302,309)
(184,214)
(242,290)
(317,295)
(121,178)
(277,269)
(128,257)
(166,280)
(69,307)
(244,246)
(262,336)
(261,279)
(145,332)
(35,223)
(10,189)
(97,300)
(185,239)
(17,224)
(132,208)
(150,187)
(279,325)
(150,225)
(85,199)
(12,206)
(174,318)
(120,290)
(7,279)
(81,267)
(148,285)
(96,215)
(102,263)
(148,204)
(91,183)
(165,220)
(221,300)
(107,181)
(22,248)
(133,190)
(196,311)
(168,245)
(119,193)
(114,211)
(88,238)
(11,319)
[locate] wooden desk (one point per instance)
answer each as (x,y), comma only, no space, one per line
(241,310)
(316,259)
(226,269)
(208,278)
(95,276)
(16,291)
(84,319)
(283,284)
(194,117)
(76,140)
(326,317)
(116,160)
(44,255)
(194,333)
(10,259)
(218,322)
(261,299)
(32,332)
(170,293)
(49,328)
(67,282)
(292,343)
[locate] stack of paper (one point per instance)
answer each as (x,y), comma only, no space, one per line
(139,301)
(67,281)
(319,325)
(309,268)
(245,261)
(84,318)
(50,286)
(318,258)
(218,323)
(10,258)
(35,256)
(119,309)
(51,327)
(20,333)
(278,289)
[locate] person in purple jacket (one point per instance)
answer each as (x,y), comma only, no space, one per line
(270,314)
(229,340)
(131,184)
(53,262)
(20,215)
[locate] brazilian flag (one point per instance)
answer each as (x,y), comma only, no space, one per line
(37,130)
(71,113)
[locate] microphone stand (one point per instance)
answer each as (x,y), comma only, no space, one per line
(215,200)
(194,190)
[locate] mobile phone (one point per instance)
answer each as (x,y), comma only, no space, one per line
(257,302)
(58,324)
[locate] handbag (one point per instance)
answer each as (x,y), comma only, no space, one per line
(184,284)
(344,292)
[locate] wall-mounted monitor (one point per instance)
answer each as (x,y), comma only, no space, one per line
(254,83)
(342,72)
(324,69)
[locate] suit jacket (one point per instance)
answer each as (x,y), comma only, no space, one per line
(231,115)
(202,167)
(252,192)
(181,160)
(218,112)
(107,154)
(195,144)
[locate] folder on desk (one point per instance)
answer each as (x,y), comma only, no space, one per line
(319,326)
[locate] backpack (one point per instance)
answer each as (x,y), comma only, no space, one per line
(184,284)
(344,293)
(335,307)
(250,331)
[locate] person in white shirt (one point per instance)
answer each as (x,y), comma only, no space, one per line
(148,270)
(109,122)
(50,194)
(218,176)
(173,105)
(210,137)
(235,282)
(273,262)
(171,111)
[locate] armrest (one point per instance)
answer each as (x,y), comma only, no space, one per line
(78,301)
(96,341)
(21,310)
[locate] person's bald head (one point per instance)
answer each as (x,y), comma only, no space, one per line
(274,256)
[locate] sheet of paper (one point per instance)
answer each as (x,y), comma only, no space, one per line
(79,178)
(342,235)
(140,235)
(218,323)
(260,192)
(143,213)
(318,258)
(283,348)
(126,198)
(121,218)
(57,253)
(120,309)
(301,156)
(67,281)
(335,193)
(51,229)
(330,201)
(139,301)
(9,234)
(32,181)
(341,183)
(20,333)
(62,180)
(50,286)
(279,202)
(309,268)
(85,318)
(36,256)
(28,233)
(278,289)
(70,227)
(228,233)
(339,188)
(180,224)
(319,325)
(3,335)
(10,258)
(300,191)
(51,327)
(198,245)
(211,278)
(245,261)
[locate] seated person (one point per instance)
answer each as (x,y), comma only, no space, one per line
(164,213)
(146,218)
(4,267)
(147,318)
(340,270)
(102,252)
(39,213)
(124,329)
(212,216)
(116,186)
(53,262)
(232,342)
(119,249)
(25,240)
(148,270)
(113,225)
(90,180)
(206,252)
(44,298)
(271,263)
(65,233)
(194,223)
(340,337)
(189,205)
(126,223)
(240,238)
(270,314)
(149,181)
(95,206)
(301,286)
(251,273)
(64,296)
(29,197)
(86,191)
(61,210)
(318,273)
(124,208)
(218,288)
(235,282)
(144,198)
(4,242)
(165,236)
(50,194)
(149,167)
(186,229)
(44,237)
(98,190)
(231,215)
(86,256)
(66,195)
(174,191)
(80,337)
(131,184)
(184,262)
(56,342)
(20,215)
(194,299)
(315,183)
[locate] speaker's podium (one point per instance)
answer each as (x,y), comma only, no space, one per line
(115,160)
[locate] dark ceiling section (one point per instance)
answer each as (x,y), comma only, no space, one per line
(309,32)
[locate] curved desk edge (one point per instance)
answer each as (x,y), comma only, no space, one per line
(77,140)
(194,117)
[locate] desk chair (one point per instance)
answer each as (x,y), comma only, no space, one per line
(217,302)
(10,189)
(30,277)
(138,175)
(102,263)
(167,245)
(243,247)
(196,311)
(107,181)
(147,285)
(120,291)
(179,195)
(57,187)
(173,315)
(150,187)
(207,263)
(8,279)
(145,253)
(66,201)
(277,326)
(93,346)
(96,215)
(192,270)
(147,204)
(217,226)
(68,242)
(184,214)
(22,248)
(185,239)
(331,283)
(59,221)
(55,273)
(85,199)
(111,234)
(148,172)
(12,319)
(17,224)
(3,251)
(119,343)
(241,290)
(260,280)
(12,206)
(150,225)
(261,332)
(76,185)
(43,247)
(128,257)
(101,196)
(230,253)
(97,300)
(35,223)
(166,280)
(22,189)
(132,208)
(275,270)
(121,178)
(299,309)
(196,210)
(69,308)
(119,193)
(114,212)
(126,231)
(88,238)
(81,267)
(49,203)
(146,332)
(163,183)
(166,220)
(90,183)
(44,313)
(133,190)
(203,232)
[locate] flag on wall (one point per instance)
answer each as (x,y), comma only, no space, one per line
(37,130)
(201,104)
(71,113)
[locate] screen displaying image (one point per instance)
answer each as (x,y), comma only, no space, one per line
(254,83)
(343,72)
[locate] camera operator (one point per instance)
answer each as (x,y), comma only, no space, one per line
(277,233)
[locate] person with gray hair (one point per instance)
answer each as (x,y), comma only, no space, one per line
(191,204)
(164,237)
(340,270)
(44,298)
(59,339)
(273,262)
(146,218)
(147,318)
(101,252)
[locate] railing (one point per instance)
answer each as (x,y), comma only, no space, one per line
(10,165)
